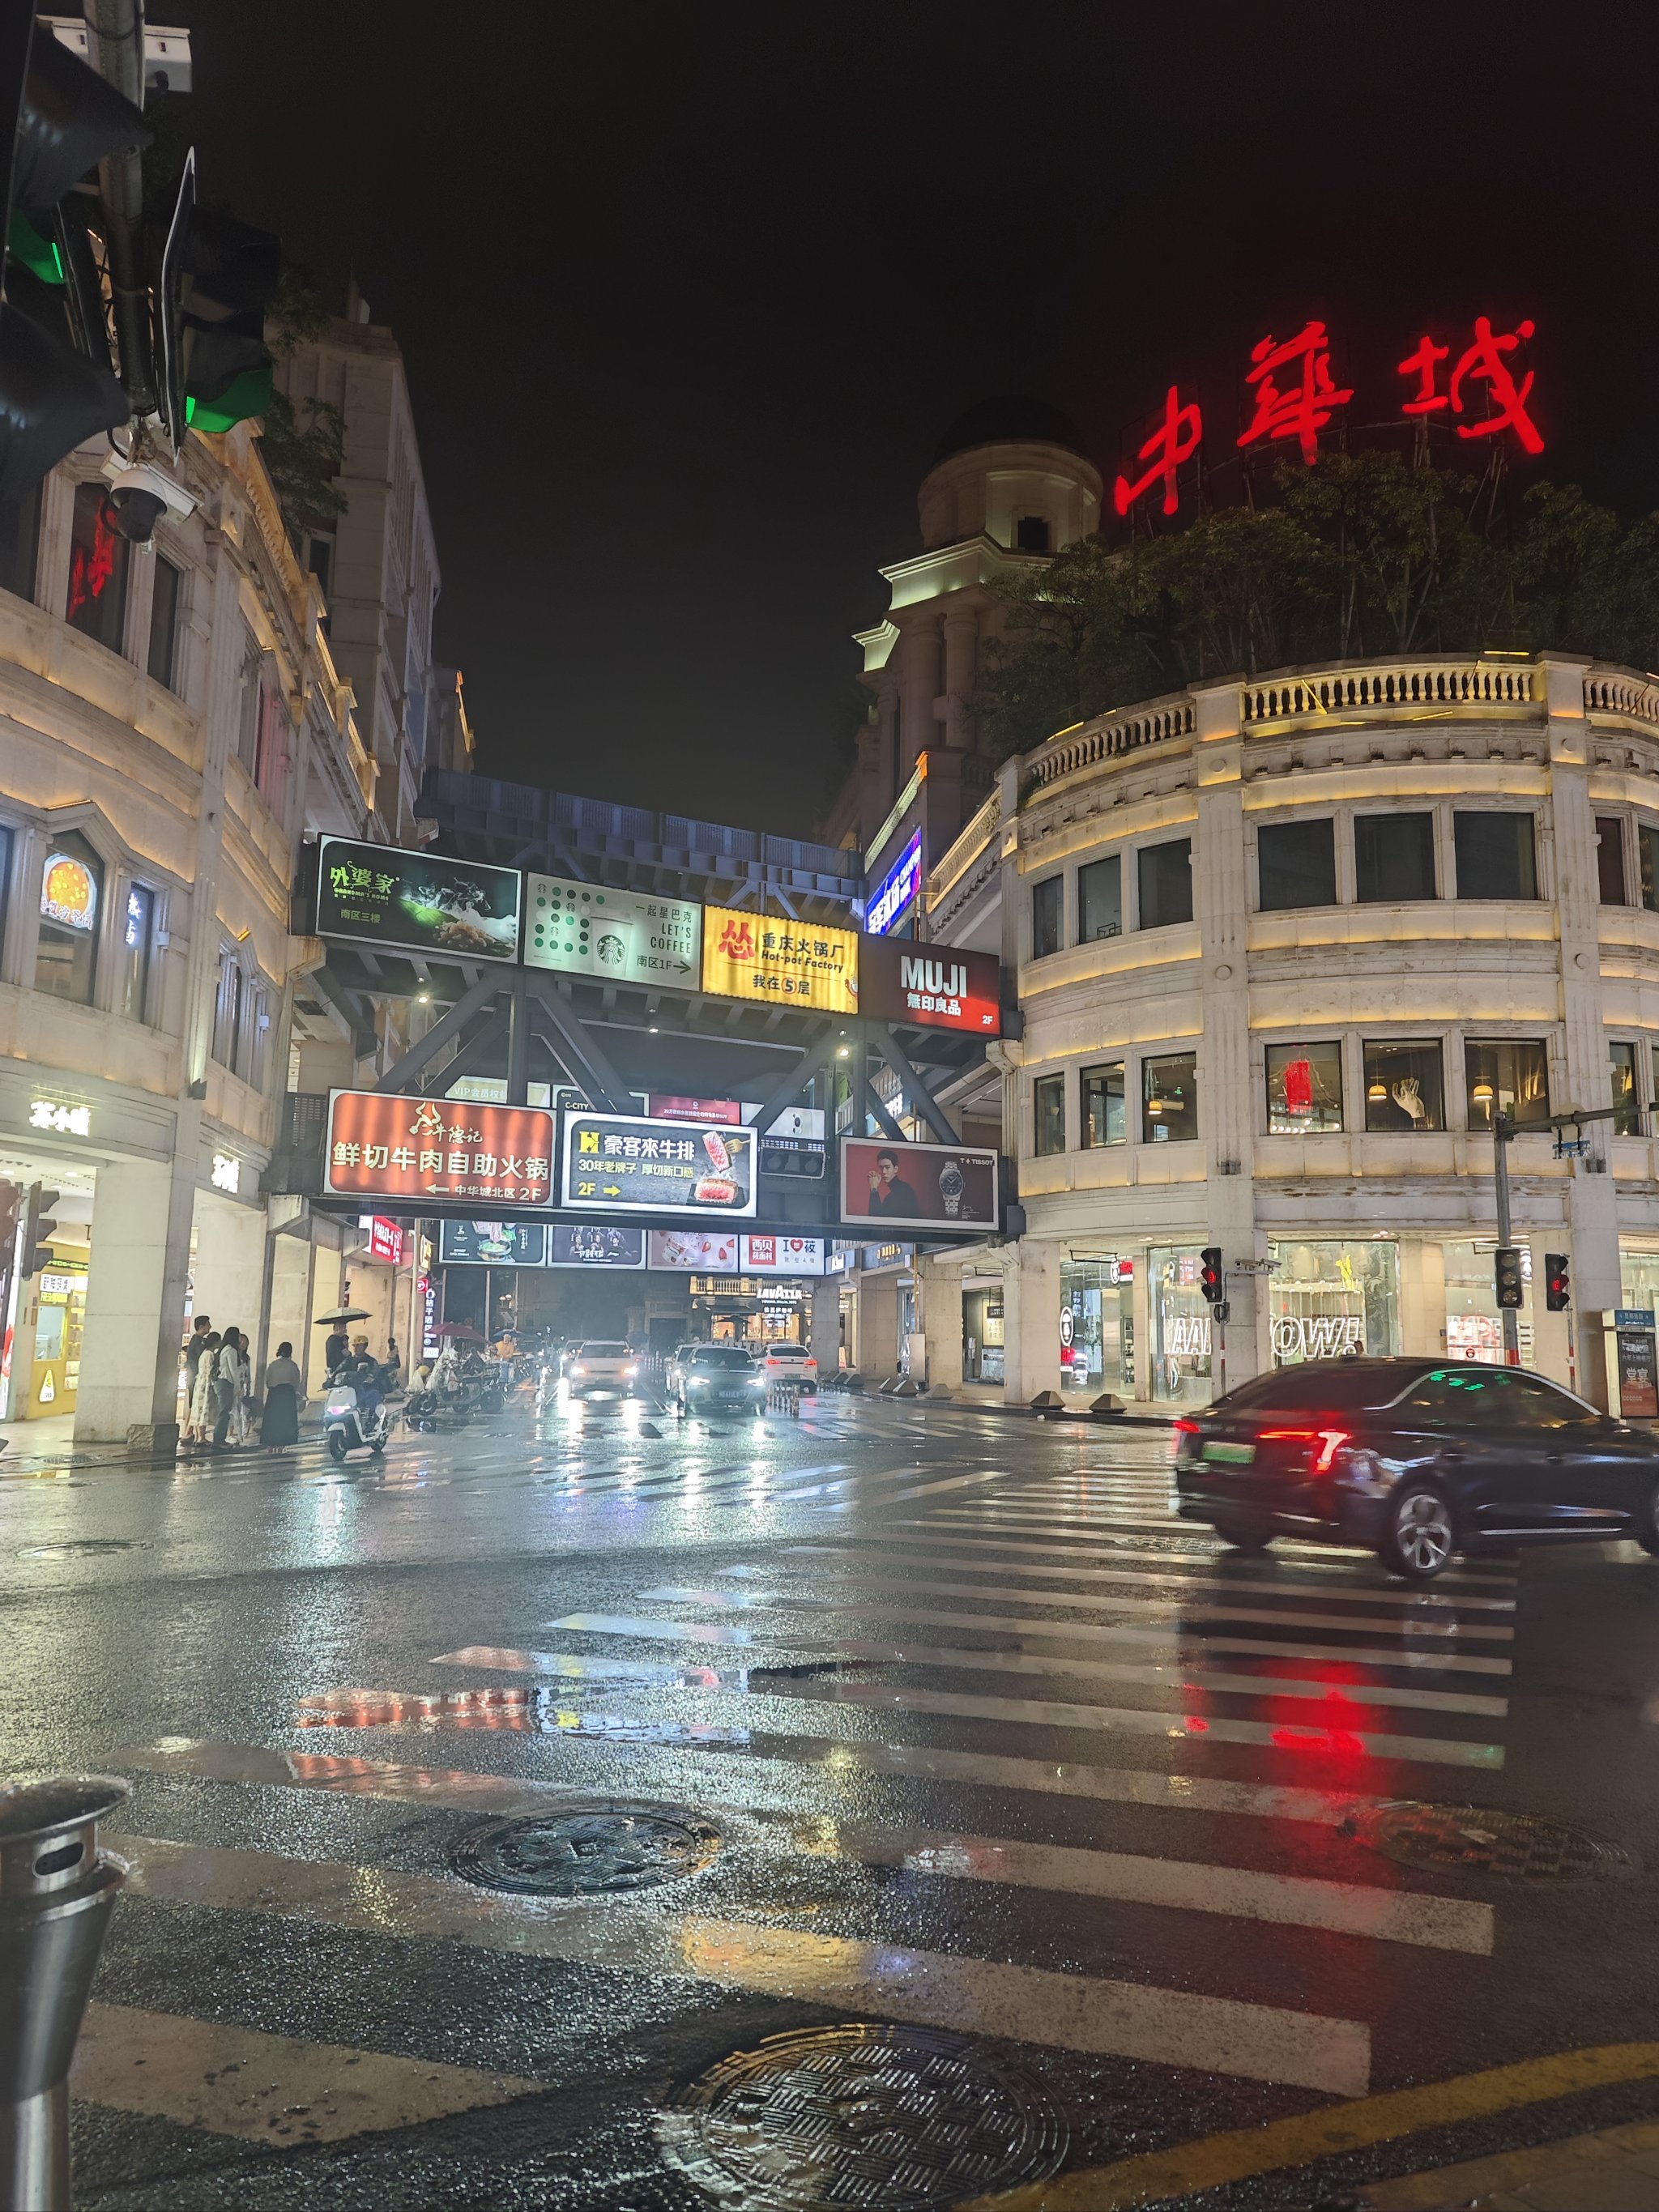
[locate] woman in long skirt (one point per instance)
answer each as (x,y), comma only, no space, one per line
(280,1426)
(201,1398)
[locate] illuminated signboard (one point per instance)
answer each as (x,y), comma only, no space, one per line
(385,1240)
(779,962)
(931,985)
(596,1244)
(1476,383)
(69,892)
(421,902)
(896,894)
(382,1144)
(631,937)
(692,1250)
(924,1186)
(491,1243)
(69,1121)
(630,1163)
(783,1255)
(726,1111)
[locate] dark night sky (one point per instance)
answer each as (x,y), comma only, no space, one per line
(687,295)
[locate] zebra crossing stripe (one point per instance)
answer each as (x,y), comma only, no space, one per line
(274,2089)
(977,1997)
(1096,1547)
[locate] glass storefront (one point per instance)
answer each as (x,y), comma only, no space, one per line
(982,1336)
(1325,1299)
(1181,1335)
(1097,1326)
(1474,1323)
(1638,1275)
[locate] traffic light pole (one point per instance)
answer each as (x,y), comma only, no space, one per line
(1502,1130)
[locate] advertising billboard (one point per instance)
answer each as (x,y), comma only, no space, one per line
(383,1145)
(923,1186)
(896,894)
(933,986)
(665,1106)
(492,1243)
(595,1245)
(779,962)
(692,1250)
(631,1163)
(420,902)
(628,937)
(385,1240)
(782,1255)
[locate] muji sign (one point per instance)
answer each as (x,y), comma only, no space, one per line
(1294,395)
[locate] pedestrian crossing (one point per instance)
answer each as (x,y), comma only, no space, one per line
(1018,1754)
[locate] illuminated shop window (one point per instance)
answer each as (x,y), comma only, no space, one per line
(1508,1075)
(97,602)
(1305,1088)
(1328,1299)
(1627,1100)
(71,902)
(1404,1088)
(1168,1107)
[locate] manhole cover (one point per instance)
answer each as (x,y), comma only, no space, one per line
(895,2118)
(1481,1839)
(596,1851)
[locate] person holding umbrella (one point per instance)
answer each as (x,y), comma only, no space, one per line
(337,1346)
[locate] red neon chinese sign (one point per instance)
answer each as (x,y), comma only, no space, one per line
(1302,409)
(1176,440)
(1483,363)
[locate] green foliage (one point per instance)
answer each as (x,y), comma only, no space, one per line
(303,459)
(1364,554)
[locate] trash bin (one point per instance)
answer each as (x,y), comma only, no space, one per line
(57,1891)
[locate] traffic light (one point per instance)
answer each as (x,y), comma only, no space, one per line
(39,1229)
(1558,1283)
(1508,1270)
(1209,1273)
(60,119)
(218,277)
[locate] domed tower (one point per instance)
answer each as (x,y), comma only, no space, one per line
(1010,486)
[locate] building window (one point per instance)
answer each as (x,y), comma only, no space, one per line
(320,559)
(1647,849)
(1403,1086)
(97,604)
(1097,1325)
(1495,858)
(1507,1075)
(19,543)
(164,621)
(1100,899)
(1180,1322)
(1305,1088)
(229,1012)
(71,902)
(1031,533)
(1169,1097)
(1295,864)
(1626,1099)
(137,933)
(1046,908)
(1394,857)
(1324,1300)
(1166,882)
(1610,859)
(1105,1104)
(1049,1115)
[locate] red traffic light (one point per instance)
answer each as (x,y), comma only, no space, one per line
(1210,1274)
(1558,1283)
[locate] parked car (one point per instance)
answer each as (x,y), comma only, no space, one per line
(599,1370)
(789,1363)
(703,1375)
(1416,1459)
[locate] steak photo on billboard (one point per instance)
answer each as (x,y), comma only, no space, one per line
(922,1186)
(621,1163)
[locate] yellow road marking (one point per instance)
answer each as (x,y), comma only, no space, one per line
(1215,2160)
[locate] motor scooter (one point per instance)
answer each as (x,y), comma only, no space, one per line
(351,1426)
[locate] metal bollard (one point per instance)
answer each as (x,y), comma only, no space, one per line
(56,1892)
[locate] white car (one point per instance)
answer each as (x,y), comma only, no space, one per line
(789,1363)
(607,1371)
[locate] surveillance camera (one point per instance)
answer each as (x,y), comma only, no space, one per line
(138,497)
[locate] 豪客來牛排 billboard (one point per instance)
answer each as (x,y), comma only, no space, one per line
(632,1164)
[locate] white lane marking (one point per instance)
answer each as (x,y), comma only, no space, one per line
(1348,1908)
(1100,1532)
(709,1766)
(265,2089)
(954,1482)
(1445,1751)
(1026,2005)
(1109,1550)
(1320,1689)
(1180,1577)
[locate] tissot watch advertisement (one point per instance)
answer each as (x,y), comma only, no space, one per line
(383,1145)
(630,937)
(924,1186)
(931,986)
(631,1163)
(423,902)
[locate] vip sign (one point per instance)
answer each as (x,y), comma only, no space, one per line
(779,962)
(630,937)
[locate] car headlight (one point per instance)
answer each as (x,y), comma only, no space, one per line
(630,1371)
(578,1370)
(698,1382)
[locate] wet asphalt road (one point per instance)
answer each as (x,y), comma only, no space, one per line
(932,1721)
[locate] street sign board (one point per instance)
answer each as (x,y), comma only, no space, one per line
(933,986)
(782,1255)
(628,937)
(632,1164)
(491,1243)
(924,1186)
(896,894)
(779,962)
(383,1145)
(420,901)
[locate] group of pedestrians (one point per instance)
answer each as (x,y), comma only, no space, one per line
(220,1409)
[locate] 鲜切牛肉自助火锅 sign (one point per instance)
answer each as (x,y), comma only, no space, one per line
(779,962)
(383,1145)
(420,902)
(592,929)
(629,1163)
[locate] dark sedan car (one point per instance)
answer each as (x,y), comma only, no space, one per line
(1417,1458)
